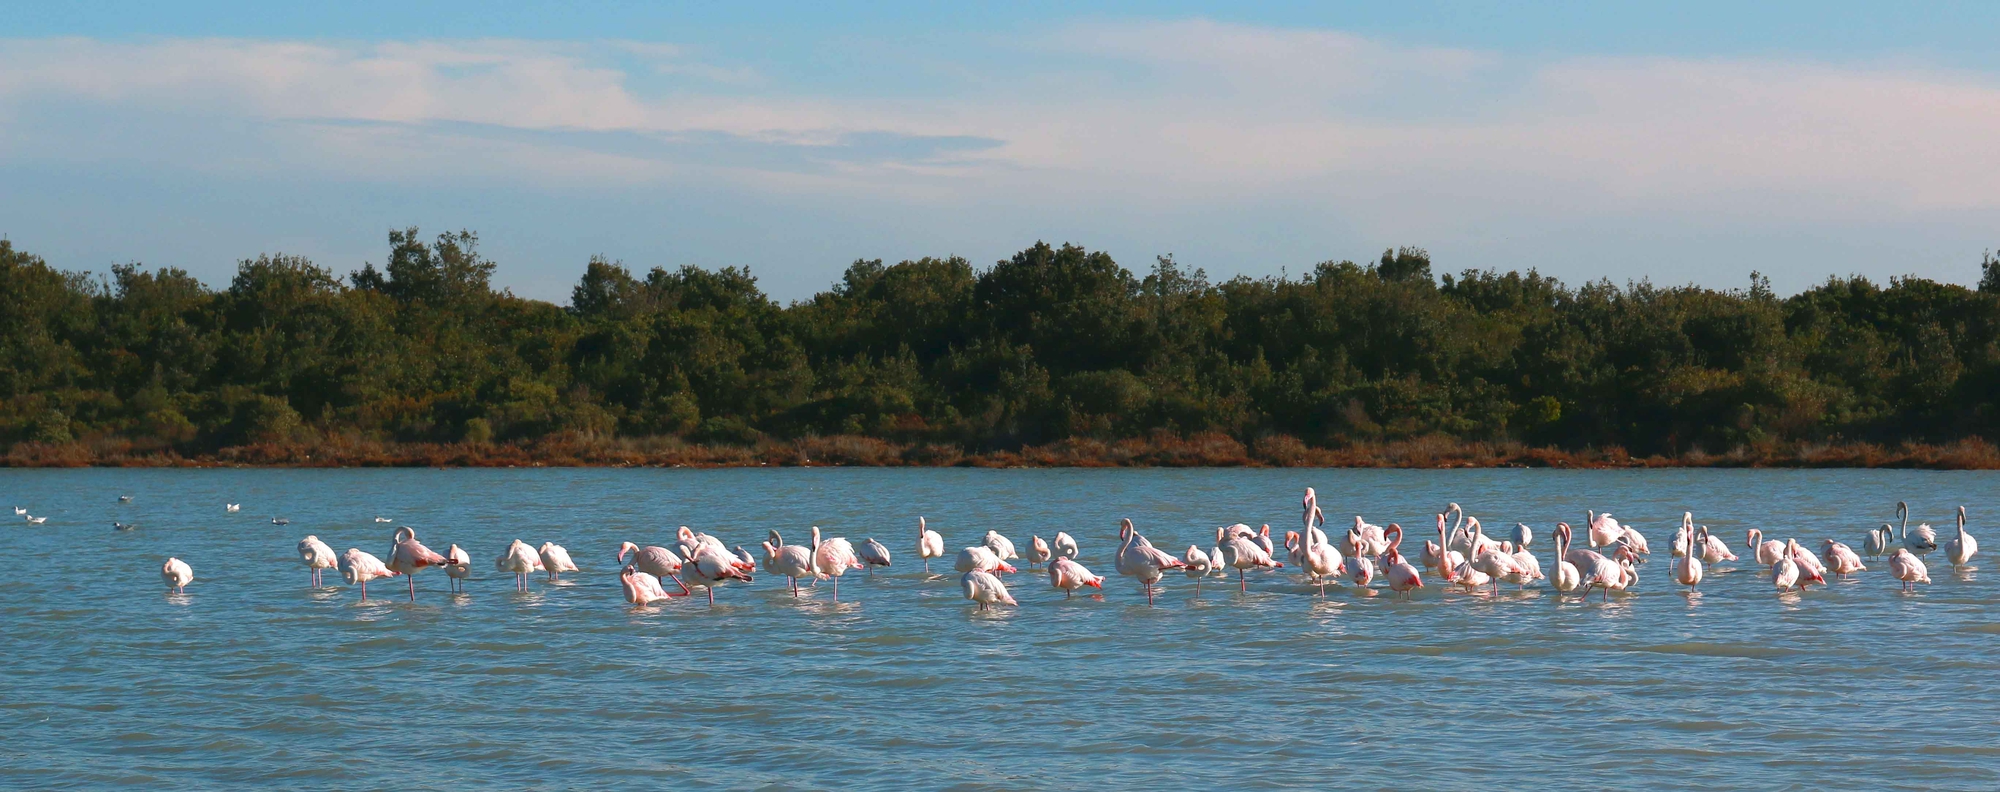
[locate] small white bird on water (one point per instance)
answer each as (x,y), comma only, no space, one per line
(20,511)
(383,519)
(232,508)
(124,499)
(177,574)
(37,520)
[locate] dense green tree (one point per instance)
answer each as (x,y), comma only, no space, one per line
(1054,342)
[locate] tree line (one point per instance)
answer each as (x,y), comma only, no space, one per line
(1054,342)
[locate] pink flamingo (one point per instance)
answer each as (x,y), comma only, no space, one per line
(640,588)
(358,568)
(832,558)
(410,555)
(1403,577)
(316,556)
(1241,554)
(657,561)
(1068,575)
(1139,559)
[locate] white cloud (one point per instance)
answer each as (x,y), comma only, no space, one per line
(1118,121)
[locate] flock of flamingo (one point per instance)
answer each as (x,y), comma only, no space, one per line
(1462,557)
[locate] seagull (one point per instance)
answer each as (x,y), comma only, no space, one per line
(124,499)
(233,507)
(383,519)
(119,526)
(37,520)
(18,511)
(280,521)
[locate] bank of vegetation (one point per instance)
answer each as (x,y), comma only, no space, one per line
(1055,356)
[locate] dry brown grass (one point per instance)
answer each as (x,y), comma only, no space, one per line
(1158,450)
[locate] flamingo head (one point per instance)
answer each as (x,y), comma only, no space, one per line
(627,547)
(1394,536)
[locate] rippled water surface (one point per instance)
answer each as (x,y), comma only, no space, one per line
(252,679)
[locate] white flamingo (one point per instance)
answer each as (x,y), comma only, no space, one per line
(1241,554)
(1713,549)
(1064,545)
(641,588)
(316,556)
(1877,542)
(1001,545)
(1908,568)
(791,561)
(1199,565)
(1922,541)
(1320,559)
(1603,529)
(177,574)
(985,589)
(873,554)
(1038,551)
(832,558)
(1068,575)
(709,568)
(654,560)
(1139,559)
(1962,547)
(980,558)
(930,544)
(457,567)
(1767,550)
(1567,577)
(1686,570)
(359,567)
(519,559)
(556,560)
(1785,573)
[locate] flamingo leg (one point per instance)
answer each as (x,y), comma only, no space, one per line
(1149,595)
(836,588)
(927,566)
(364,591)
(1241,587)
(413,586)
(686,591)
(711,596)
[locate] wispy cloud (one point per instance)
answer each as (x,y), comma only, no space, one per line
(1120,119)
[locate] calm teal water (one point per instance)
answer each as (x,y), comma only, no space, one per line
(253,680)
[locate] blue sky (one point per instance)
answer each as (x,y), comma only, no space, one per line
(1688,142)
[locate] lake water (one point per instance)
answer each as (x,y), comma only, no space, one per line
(253,680)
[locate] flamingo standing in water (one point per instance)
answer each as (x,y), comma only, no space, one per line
(1240,553)
(359,567)
(641,588)
(1713,549)
(556,560)
(654,560)
(832,558)
(1568,579)
(1063,545)
(1908,568)
(519,559)
(1962,547)
(1785,573)
(177,574)
(409,555)
(1686,570)
(457,567)
(1319,558)
(709,567)
(1001,545)
(1840,559)
(874,554)
(791,561)
(1403,577)
(1139,559)
(1876,543)
(985,589)
(1603,529)
(1038,551)
(1068,575)
(1767,550)
(1921,542)
(1199,565)
(980,558)
(930,544)
(316,556)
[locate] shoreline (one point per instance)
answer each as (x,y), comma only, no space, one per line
(1163,451)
